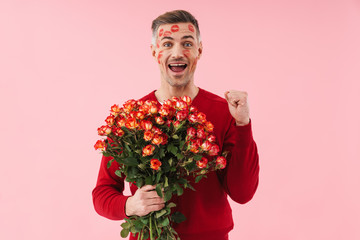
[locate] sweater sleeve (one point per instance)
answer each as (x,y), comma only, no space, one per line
(241,176)
(108,197)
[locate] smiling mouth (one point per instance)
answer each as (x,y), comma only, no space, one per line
(177,67)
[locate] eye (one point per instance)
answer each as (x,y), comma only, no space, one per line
(188,44)
(167,44)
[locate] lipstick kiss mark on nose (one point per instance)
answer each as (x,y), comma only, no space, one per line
(175,28)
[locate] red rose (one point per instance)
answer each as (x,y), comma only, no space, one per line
(206,146)
(100,145)
(202,162)
(201,117)
(118,132)
(211,138)
(157,140)
(144,109)
(115,110)
(159,120)
(165,139)
(200,133)
(131,123)
(194,147)
(120,121)
(129,105)
(146,125)
(193,109)
(155,164)
(164,111)
(209,126)
(148,150)
(220,162)
(191,132)
(148,135)
(214,150)
(156,130)
(139,115)
(153,109)
(110,120)
(192,118)
(181,105)
(181,115)
(104,130)
(186,99)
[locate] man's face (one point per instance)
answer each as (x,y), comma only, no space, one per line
(177,51)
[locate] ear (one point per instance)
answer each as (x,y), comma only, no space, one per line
(200,49)
(153,50)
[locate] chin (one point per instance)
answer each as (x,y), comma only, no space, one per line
(178,83)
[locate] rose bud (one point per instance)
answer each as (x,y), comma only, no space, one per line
(157,140)
(211,138)
(193,109)
(153,109)
(146,125)
(202,162)
(214,150)
(159,120)
(140,102)
(194,147)
(120,121)
(206,146)
(115,110)
(209,126)
(169,103)
(104,130)
(220,162)
(100,145)
(192,118)
(148,150)
(191,132)
(144,109)
(175,99)
(131,123)
(129,105)
(200,133)
(148,135)
(139,115)
(201,117)
(164,110)
(181,115)
(165,139)
(118,132)
(177,124)
(186,99)
(155,164)
(147,102)
(181,105)
(110,120)
(156,130)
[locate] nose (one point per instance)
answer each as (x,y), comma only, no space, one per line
(177,51)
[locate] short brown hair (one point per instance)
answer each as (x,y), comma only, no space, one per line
(176,16)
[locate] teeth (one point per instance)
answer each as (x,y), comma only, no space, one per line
(177,65)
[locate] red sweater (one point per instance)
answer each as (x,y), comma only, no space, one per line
(207,210)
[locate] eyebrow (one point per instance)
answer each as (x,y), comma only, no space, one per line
(184,37)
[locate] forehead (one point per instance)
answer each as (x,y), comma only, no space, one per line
(176,29)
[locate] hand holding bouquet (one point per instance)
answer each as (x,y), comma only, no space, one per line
(163,146)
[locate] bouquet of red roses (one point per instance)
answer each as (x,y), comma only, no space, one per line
(161,146)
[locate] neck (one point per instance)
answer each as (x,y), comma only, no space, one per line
(167,92)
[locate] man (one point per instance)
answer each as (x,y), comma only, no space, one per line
(177,47)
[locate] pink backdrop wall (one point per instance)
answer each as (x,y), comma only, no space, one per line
(63,63)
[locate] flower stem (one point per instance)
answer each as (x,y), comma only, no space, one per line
(151,235)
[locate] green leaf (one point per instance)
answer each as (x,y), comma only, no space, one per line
(166,184)
(124,233)
(178,217)
(168,195)
(179,156)
(130,161)
(144,220)
(148,180)
(158,176)
(175,136)
(171,205)
(165,222)
(108,165)
(160,213)
(159,190)
(198,157)
(118,173)
(162,152)
(126,225)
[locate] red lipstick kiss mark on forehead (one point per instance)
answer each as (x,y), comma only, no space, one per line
(167,33)
(175,28)
(161,32)
(191,28)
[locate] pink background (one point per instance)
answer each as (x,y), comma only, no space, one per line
(64,63)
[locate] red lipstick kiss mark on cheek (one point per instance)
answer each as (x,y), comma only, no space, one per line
(175,28)
(191,28)
(186,53)
(157,44)
(161,32)
(159,56)
(167,33)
